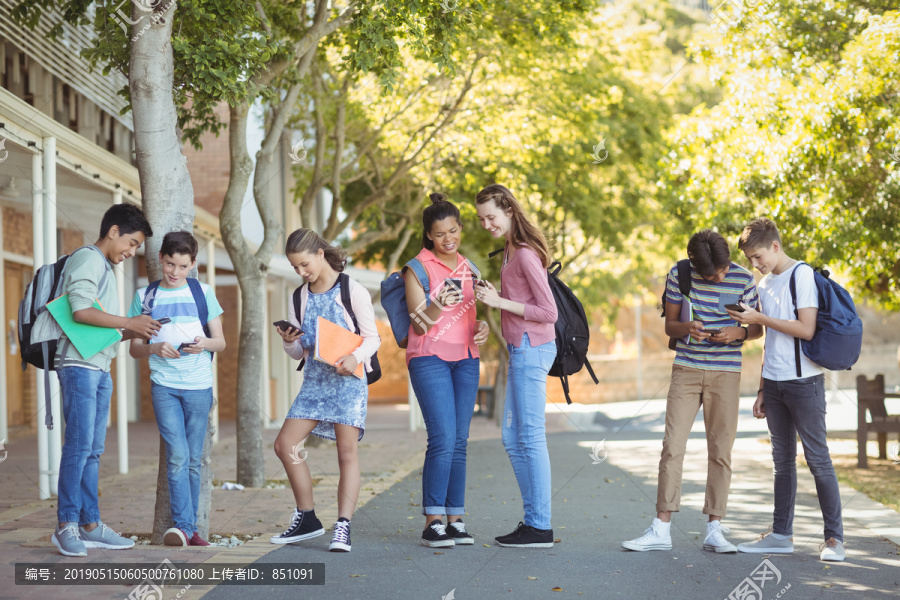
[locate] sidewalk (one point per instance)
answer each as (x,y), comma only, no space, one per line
(595,506)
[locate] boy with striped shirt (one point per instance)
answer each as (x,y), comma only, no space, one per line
(180,374)
(707,371)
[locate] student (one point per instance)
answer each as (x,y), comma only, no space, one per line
(85,383)
(527,317)
(181,378)
(707,371)
(332,401)
(790,403)
(442,357)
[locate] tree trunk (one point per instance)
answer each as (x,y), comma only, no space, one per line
(168,197)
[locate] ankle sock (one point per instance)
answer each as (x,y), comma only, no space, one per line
(780,537)
(662,525)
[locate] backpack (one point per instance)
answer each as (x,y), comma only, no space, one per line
(344,282)
(572,332)
(199,300)
(393,297)
(571,328)
(838,338)
(38,331)
(684,285)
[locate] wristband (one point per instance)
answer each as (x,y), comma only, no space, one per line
(759,391)
(746,333)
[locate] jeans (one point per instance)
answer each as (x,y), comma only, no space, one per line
(446,392)
(719,393)
(85,405)
(524,427)
(182,416)
(792,407)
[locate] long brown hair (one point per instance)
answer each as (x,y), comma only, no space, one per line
(523,231)
(307,240)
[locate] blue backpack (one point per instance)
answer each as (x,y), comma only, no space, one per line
(199,300)
(838,338)
(393,297)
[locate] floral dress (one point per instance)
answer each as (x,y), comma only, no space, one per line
(325,396)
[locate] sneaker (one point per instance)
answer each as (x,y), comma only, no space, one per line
(457,532)
(656,537)
(340,537)
(767,544)
(833,550)
(176,537)
(715,539)
(196,540)
(526,536)
(304,525)
(68,541)
(435,535)
(104,537)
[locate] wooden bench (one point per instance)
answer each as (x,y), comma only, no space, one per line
(870,395)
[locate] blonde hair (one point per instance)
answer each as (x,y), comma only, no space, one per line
(522,232)
(307,240)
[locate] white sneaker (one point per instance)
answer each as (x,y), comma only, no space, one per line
(656,537)
(833,551)
(715,540)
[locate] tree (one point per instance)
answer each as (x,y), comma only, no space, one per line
(805,132)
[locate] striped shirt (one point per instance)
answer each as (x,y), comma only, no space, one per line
(708,301)
(190,371)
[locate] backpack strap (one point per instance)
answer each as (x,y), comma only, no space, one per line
(150,297)
(202,306)
(474,269)
(684,276)
(793,287)
(298,305)
(344,283)
(419,269)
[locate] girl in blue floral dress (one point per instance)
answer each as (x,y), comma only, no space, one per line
(332,401)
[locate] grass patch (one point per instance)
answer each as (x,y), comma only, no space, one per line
(880,481)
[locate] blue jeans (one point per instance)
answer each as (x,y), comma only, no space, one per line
(524,426)
(792,407)
(85,405)
(446,392)
(182,416)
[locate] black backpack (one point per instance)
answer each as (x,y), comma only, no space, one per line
(344,282)
(572,330)
(684,284)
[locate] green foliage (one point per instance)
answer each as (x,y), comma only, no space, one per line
(803,134)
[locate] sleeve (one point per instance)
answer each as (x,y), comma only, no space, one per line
(293,349)
(84,271)
(807,293)
(135,308)
(673,292)
(750,296)
(214,309)
(365,317)
(544,308)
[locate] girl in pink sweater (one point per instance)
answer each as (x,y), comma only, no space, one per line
(527,326)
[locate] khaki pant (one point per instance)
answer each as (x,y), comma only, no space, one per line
(719,393)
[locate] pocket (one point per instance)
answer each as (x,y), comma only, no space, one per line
(547,354)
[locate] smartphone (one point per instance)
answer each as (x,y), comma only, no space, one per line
(457,283)
(164,320)
(185,345)
(735,307)
(711,331)
(480,283)
(286,325)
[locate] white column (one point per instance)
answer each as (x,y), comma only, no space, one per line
(4,425)
(638,337)
(122,361)
(211,282)
(50,255)
(37,251)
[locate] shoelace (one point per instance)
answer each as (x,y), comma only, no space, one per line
(459,526)
(295,518)
(341,532)
(73,529)
(103,528)
(830,542)
(439,528)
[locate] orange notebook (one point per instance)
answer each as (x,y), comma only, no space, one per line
(333,342)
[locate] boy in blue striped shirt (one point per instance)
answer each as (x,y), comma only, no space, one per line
(180,374)
(707,371)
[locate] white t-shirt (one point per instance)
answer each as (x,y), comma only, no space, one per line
(780,362)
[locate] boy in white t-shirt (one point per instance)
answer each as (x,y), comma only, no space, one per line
(180,374)
(791,396)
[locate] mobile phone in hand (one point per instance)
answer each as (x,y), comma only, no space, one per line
(711,331)
(185,345)
(481,283)
(164,320)
(456,283)
(735,307)
(286,326)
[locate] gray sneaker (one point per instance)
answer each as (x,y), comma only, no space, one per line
(766,544)
(104,537)
(68,541)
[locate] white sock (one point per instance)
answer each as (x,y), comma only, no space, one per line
(713,525)
(662,526)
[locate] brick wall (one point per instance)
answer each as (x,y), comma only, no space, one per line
(210,168)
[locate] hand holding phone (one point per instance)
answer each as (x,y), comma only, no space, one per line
(286,326)
(735,307)
(185,345)
(711,331)
(456,283)
(164,320)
